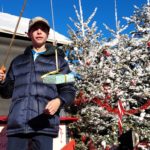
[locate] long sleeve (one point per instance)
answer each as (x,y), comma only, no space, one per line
(6,88)
(66,91)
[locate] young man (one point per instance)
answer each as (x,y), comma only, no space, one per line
(33,117)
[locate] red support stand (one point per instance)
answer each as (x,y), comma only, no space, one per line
(63,120)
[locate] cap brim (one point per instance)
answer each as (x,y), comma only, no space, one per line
(37,22)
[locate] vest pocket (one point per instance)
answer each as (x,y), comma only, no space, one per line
(16,116)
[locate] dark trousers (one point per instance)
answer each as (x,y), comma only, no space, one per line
(30,142)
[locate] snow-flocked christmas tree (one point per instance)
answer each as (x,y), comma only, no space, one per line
(113,81)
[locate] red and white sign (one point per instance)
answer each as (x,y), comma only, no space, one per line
(60,141)
(3,138)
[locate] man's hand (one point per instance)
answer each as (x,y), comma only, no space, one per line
(52,106)
(2,75)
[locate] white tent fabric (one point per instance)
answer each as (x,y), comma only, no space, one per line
(8,23)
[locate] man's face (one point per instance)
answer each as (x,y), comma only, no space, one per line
(38,34)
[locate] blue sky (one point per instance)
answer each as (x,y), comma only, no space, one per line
(63,9)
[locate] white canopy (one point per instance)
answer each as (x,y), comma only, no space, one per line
(8,23)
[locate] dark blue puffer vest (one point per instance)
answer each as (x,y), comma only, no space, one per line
(30,95)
